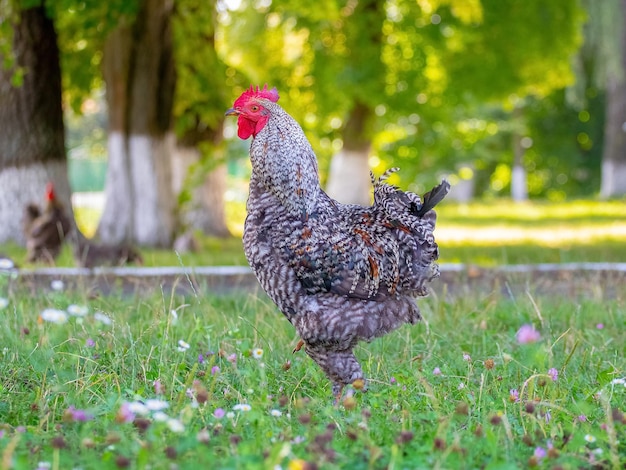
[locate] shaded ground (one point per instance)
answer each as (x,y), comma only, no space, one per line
(590,280)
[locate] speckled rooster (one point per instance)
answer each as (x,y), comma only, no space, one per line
(339,273)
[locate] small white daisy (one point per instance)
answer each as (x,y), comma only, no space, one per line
(138,408)
(102,318)
(257,353)
(242,407)
(77,310)
(57,285)
(175,425)
(155,404)
(589,438)
(54,315)
(160,416)
(3,303)
(6,263)
(620,381)
(182,345)
(174,315)
(276,413)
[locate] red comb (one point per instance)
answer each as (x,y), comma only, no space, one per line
(257,92)
(50,192)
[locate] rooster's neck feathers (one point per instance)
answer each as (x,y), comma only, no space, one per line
(284,163)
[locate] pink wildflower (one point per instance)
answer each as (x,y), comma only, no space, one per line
(436,371)
(554,374)
(78,415)
(219,413)
(600,326)
(527,334)
(540,453)
(514,395)
(232,358)
(215,370)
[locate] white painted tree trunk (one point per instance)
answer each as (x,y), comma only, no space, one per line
(23,185)
(205,210)
(139,204)
(613,179)
(463,184)
(349,178)
(519,186)
(116,226)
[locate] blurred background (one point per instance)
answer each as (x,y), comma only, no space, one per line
(121,104)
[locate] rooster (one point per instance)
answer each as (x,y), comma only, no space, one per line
(339,273)
(45,231)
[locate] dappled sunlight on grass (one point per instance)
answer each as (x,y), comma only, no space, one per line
(551,236)
(534,211)
(484,233)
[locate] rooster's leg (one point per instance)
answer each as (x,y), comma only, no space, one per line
(298,346)
(341,367)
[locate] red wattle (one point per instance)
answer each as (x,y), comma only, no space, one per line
(245,127)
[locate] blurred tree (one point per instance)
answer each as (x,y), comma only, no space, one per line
(407,79)
(605,48)
(32,146)
(140,79)
(614,155)
(200,102)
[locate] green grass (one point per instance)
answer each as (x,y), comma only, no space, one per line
(411,417)
(481,233)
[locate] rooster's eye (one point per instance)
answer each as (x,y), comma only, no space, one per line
(254,108)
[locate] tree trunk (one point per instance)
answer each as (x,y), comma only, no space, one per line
(32,139)
(614,151)
(349,178)
(204,209)
(140,79)
(519,185)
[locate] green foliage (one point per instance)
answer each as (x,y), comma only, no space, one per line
(457,390)
(82,28)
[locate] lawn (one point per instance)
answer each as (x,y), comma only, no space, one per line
(481,233)
(497,379)
(163,381)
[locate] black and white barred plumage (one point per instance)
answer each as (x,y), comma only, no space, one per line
(339,273)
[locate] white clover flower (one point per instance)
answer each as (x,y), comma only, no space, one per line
(138,408)
(154,404)
(276,413)
(230,415)
(54,315)
(175,425)
(242,407)
(467,357)
(102,318)
(57,285)
(182,345)
(461,386)
(257,353)
(6,263)
(589,438)
(3,303)
(160,416)
(77,310)
(43,466)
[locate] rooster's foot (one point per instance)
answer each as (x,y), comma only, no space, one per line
(298,346)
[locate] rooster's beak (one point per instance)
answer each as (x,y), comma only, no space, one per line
(232,111)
